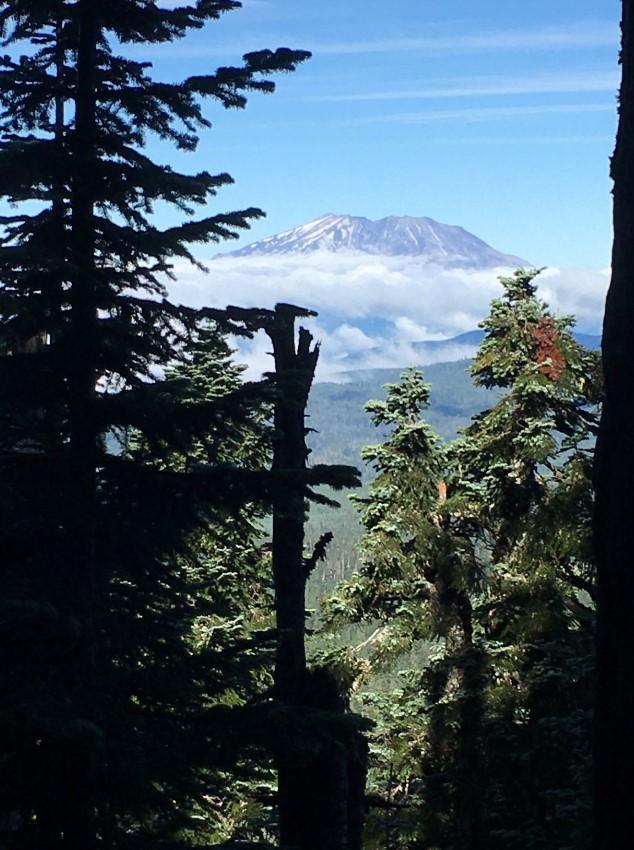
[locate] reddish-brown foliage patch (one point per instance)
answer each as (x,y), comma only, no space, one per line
(548,352)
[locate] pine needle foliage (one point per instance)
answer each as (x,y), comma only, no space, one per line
(201,626)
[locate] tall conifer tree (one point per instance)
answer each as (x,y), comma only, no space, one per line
(481,549)
(84,322)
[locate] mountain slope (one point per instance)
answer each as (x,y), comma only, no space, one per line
(342,426)
(471,340)
(438,244)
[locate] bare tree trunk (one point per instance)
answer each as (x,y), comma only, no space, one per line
(294,372)
(81,752)
(321,778)
(614,479)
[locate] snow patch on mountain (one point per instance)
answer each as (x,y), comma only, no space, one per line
(437,244)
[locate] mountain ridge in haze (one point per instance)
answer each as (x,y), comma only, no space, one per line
(424,353)
(443,245)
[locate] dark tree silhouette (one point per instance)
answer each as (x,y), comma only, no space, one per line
(614,477)
(320,751)
(85,322)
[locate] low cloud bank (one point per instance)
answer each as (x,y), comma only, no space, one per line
(373,309)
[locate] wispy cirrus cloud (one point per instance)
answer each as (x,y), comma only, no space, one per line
(523,140)
(578,82)
(578,34)
(246,4)
(477,114)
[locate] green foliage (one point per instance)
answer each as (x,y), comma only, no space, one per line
(213,626)
(337,411)
(481,550)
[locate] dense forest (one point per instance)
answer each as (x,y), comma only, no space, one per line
(223,626)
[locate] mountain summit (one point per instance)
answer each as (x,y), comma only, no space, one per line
(444,245)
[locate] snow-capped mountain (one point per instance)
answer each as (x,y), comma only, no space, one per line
(443,245)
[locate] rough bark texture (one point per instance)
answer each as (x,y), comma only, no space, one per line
(469,804)
(614,473)
(294,372)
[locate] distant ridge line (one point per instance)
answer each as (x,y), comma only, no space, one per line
(461,348)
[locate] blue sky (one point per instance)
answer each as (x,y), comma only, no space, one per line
(498,116)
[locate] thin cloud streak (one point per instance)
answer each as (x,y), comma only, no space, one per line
(484,113)
(576,83)
(582,34)
(523,140)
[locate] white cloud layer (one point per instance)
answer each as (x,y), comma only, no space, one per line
(372,309)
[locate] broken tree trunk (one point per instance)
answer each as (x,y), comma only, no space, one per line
(321,761)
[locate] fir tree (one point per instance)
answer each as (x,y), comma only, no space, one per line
(190,635)
(85,321)
(525,479)
(418,571)
(483,549)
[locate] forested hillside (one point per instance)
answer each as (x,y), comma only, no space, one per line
(341,425)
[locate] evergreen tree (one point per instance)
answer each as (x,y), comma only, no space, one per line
(85,321)
(525,476)
(419,568)
(189,636)
(483,549)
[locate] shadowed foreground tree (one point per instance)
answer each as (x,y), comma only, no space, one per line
(321,783)
(85,323)
(189,633)
(614,477)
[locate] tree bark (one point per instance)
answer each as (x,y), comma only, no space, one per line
(294,374)
(614,481)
